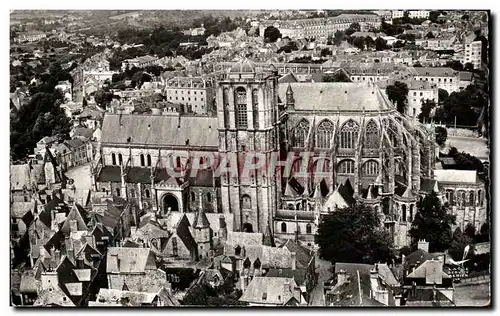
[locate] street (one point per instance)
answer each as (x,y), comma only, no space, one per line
(81,175)
(317,297)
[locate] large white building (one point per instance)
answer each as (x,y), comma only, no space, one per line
(445,78)
(472,52)
(419,91)
(412,14)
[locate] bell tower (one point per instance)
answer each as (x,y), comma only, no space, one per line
(247,111)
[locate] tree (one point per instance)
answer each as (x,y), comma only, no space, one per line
(433,223)
(103,98)
(468,67)
(429,35)
(455,65)
(271,34)
(426,109)
(465,161)
(459,242)
(399,44)
(484,233)
(417,64)
(470,231)
(442,95)
(380,44)
(326,52)
(369,42)
(354,27)
(338,37)
(359,42)
(398,93)
(339,76)
(441,135)
(368,241)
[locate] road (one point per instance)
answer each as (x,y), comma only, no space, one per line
(317,296)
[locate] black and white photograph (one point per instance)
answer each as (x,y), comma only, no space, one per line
(250,158)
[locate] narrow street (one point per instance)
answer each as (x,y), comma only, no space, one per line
(317,297)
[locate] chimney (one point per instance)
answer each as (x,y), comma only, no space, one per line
(423,245)
(294,260)
(114,261)
(79,262)
(73,226)
(133,229)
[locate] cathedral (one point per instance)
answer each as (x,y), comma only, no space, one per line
(343,143)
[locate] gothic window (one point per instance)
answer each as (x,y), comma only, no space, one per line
(132,193)
(147,193)
(247,263)
(246,202)
(148,158)
(471,198)
(449,197)
(257,264)
(346,167)
(308,229)
(241,108)
(178,162)
(142,160)
(349,135)
(300,133)
(370,168)
(117,191)
(113,159)
(237,250)
(225,101)
(461,198)
(209,197)
(120,159)
(296,167)
(255,108)
(411,213)
(324,134)
(371,135)
(479,197)
(193,197)
(404,212)
(283,227)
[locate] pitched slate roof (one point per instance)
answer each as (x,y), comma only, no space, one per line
(332,96)
(19,209)
(184,234)
(299,275)
(302,255)
(159,130)
(436,72)
(431,271)
(269,290)
(459,176)
(200,220)
(427,297)
(244,239)
(131,260)
(20,177)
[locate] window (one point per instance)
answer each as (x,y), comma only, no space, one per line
(324,134)
(372,137)
(349,134)
(193,197)
(246,202)
(471,198)
(142,160)
(237,250)
(283,227)
(411,213)
(113,159)
(414,94)
(120,159)
(404,212)
(308,229)
(257,264)
(117,190)
(370,168)
(451,80)
(247,263)
(421,93)
(255,108)
(132,193)
(480,197)
(149,160)
(300,133)
(241,108)
(147,193)
(174,246)
(209,197)
(178,162)
(346,167)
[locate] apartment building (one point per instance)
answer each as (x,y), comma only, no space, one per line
(419,91)
(472,53)
(30,37)
(412,14)
(445,78)
(197,93)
